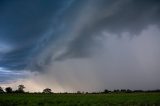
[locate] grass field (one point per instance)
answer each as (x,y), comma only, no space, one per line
(121,99)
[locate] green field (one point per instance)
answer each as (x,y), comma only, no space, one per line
(121,99)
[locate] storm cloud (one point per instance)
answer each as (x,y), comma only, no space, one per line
(81,44)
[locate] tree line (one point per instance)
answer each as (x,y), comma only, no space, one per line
(128,91)
(20,89)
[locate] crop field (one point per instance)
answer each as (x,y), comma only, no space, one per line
(112,99)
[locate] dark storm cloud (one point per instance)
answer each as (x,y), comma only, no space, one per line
(22,24)
(98,44)
(114,16)
(36,30)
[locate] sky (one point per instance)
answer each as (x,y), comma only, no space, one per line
(85,45)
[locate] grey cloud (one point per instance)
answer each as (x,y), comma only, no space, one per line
(35,27)
(82,43)
(119,63)
(7,75)
(86,20)
(114,16)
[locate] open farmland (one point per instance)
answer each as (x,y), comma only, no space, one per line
(112,99)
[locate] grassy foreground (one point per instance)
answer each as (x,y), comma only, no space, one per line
(121,99)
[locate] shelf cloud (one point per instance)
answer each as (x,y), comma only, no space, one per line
(81,45)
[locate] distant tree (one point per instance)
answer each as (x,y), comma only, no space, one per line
(1,90)
(47,90)
(116,91)
(78,92)
(87,92)
(20,88)
(157,90)
(138,91)
(128,91)
(106,91)
(8,90)
(123,90)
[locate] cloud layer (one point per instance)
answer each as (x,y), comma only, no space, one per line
(87,44)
